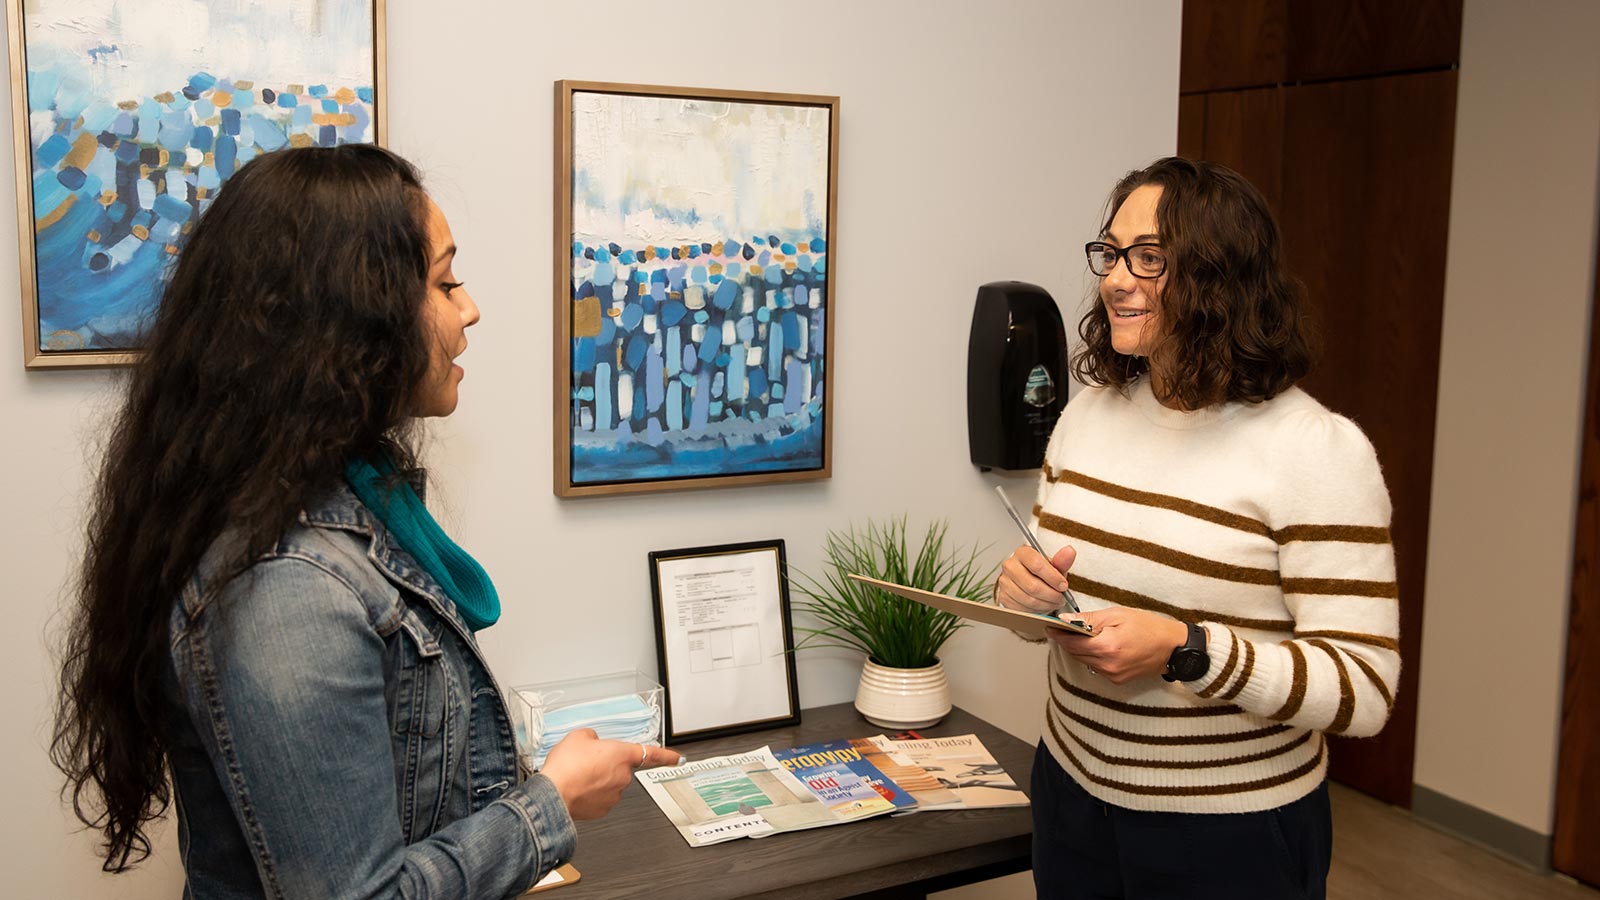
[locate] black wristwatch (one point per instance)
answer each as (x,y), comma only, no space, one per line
(1190,661)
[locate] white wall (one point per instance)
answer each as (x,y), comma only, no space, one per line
(971,151)
(1511,382)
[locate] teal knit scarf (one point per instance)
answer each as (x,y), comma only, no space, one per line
(403,513)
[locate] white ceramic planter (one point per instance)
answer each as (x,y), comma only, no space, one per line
(903,698)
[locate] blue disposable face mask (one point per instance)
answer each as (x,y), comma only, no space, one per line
(624,718)
(612,710)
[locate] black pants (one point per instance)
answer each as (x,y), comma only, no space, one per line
(1085,849)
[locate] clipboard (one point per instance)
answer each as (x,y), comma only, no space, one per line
(560,876)
(1037,625)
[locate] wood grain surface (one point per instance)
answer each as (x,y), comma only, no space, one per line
(1577,826)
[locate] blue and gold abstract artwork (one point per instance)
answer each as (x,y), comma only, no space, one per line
(137,111)
(699,287)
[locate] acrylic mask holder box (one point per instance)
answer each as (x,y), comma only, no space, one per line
(621,706)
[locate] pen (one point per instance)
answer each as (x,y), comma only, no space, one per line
(1072,602)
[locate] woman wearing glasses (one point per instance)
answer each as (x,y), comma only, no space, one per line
(272,632)
(1227,537)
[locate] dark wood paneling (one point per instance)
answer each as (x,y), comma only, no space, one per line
(1231,44)
(1244,131)
(1192,125)
(1578,775)
(1358,173)
(1350,38)
(1365,215)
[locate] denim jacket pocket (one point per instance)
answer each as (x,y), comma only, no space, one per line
(422,719)
(420,680)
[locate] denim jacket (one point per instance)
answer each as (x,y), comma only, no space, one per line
(334,732)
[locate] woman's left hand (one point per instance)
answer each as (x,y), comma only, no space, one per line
(1126,644)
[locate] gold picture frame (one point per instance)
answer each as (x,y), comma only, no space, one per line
(94,150)
(643,401)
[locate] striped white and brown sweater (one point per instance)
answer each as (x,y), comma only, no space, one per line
(1266,523)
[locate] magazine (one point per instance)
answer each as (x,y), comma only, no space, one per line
(726,797)
(908,776)
(844,781)
(963,766)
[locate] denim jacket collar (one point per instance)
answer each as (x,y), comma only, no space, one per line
(341,510)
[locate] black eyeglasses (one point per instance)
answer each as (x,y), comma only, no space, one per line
(1143,260)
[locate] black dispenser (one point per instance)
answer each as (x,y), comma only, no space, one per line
(1016,375)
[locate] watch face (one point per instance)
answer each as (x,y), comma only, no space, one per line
(1190,664)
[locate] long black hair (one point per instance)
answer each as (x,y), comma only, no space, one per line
(289,340)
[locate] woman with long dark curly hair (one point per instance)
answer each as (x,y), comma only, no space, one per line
(1228,538)
(272,632)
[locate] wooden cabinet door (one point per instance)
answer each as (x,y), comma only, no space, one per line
(1578,774)
(1366,216)
(1358,173)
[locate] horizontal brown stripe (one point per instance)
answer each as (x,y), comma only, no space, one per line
(1227,668)
(1297,686)
(1161,501)
(1188,763)
(1373,640)
(1157,553)
(1168,712)
(1347,691)
(1120,597)
(1349,534)
(1342,587)
(1210,568)
(1244,674)
(1169,740)
(1372,675)
(1173,790)
(1355,534)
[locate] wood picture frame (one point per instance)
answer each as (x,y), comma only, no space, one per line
(693,287)
(119,144)
(724,640)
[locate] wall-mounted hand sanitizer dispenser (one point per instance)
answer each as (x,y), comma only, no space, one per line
(1016,375)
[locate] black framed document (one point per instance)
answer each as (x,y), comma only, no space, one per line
(724,642)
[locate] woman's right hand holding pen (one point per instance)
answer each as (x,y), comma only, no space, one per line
(1126,644)
(1031,583)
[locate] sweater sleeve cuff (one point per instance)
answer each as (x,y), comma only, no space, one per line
(1222,646)
(550,826)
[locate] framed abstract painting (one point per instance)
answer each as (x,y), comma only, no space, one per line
(127,119)
(694,312)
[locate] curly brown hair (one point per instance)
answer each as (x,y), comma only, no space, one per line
(289,341)
(1235,324)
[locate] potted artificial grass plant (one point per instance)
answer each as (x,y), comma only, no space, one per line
(903,684)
